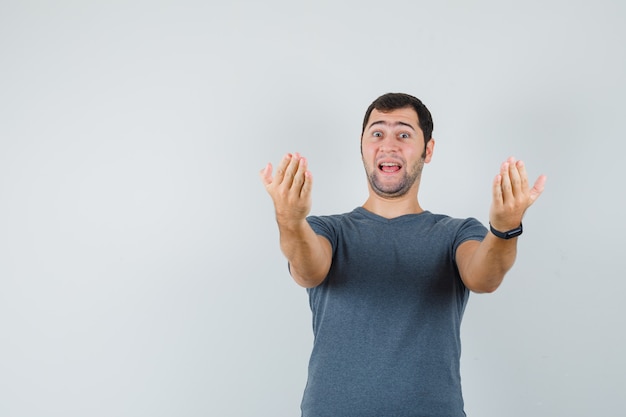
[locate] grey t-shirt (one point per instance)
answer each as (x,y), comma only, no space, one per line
(386,320)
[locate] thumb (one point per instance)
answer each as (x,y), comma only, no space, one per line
(538,188)
(266,174)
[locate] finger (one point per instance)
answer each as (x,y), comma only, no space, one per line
(497,190)
(521,168)
(515,178)
(308,185)
(291,170)
(266,174)
(538,188)
(505,183)
(280,170)
(299,177)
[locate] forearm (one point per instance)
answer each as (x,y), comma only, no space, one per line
(309,254)
(491,260)
(483,265)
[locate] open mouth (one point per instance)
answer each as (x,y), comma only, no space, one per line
(389,167)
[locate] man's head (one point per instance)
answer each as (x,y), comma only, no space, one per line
(395,144)
(394,101)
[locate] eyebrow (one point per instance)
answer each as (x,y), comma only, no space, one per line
(382,122)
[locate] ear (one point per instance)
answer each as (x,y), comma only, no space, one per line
(430,147)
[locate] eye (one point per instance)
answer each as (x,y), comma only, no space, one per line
(404,136)
(377,134)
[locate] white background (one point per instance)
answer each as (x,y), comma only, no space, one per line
(140,273)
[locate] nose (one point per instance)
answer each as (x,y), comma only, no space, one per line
(389,143)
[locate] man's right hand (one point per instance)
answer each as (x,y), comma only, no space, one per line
(309,254)
(290,189)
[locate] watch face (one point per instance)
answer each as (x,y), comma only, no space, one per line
(513,233)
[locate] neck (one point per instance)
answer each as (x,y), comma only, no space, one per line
(390,208)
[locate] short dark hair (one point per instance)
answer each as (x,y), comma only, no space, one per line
(393,101)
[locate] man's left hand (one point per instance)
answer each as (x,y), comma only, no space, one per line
(512,195)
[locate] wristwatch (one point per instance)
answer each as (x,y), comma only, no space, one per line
(509,233)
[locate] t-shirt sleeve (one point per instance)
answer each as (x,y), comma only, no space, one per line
(324,226)
(469,229)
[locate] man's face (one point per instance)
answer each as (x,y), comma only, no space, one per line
(392,147)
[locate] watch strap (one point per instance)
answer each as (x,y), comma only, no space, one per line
(509,234)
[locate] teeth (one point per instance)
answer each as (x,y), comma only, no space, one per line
(388,164)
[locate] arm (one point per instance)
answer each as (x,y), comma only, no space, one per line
(309,254)
(482,265)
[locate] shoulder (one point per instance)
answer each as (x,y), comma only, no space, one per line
(459,229)
(454,222)
(335,220)
(337,227)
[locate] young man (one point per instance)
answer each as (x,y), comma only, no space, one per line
(389,281)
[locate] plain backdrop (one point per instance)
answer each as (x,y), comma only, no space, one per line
(140,273)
